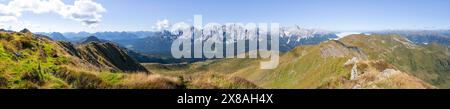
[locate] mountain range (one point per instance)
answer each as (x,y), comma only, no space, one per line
(312,59)
(422,36)
(355,61)
(157,42)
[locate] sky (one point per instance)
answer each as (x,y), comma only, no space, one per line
(149,15)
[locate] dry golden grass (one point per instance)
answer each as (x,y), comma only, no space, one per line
(211,80)
(379,75)
(149,81)
(81,77)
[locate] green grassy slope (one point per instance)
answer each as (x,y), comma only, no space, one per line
(427,62)
(388,61)
(322,66)
(28,61)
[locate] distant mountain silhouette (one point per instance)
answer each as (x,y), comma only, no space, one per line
(92,39)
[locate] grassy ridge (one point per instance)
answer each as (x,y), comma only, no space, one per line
(322,66)
(303,67)
(427,62)
(29,62)
(26,63)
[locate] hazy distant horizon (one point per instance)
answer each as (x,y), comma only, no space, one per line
(151,15)
(361,31)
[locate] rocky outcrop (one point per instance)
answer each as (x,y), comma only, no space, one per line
(378,74)
(354,71)
(335,48)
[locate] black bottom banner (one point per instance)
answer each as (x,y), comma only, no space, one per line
(221,98)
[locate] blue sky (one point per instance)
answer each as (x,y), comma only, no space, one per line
(335,15)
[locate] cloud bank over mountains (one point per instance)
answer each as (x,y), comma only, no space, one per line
(88,12)
(162,24)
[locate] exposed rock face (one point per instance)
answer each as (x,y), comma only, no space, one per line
(352,61)
(335,48)
(354,71)
(108,55)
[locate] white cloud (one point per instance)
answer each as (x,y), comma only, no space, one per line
(162,24)
(87,12)
(4,19)
(11,23)
(5,10)
(344,34)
